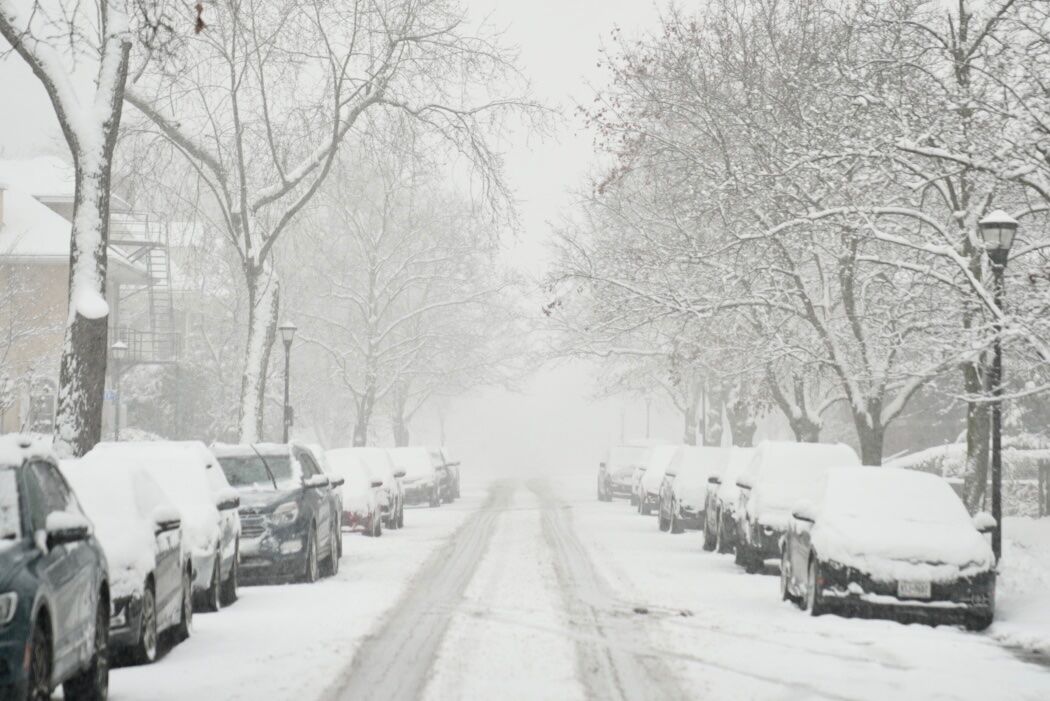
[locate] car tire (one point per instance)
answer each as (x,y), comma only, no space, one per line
(310,566)
(978,621)
(93,683)
(184,628)
(377,527)
(785,581)
(145,650)
(435,498)
(710,536)
(38,683)
(723,544)
(634,499)
(814,601)
(212,597)
(401,516)
(645,508)
(675,525)
(337,550)
(664,524)
(228,595)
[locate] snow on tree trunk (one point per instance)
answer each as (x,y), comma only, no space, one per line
(689,436)
(263,307)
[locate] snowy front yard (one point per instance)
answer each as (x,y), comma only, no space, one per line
(288,642)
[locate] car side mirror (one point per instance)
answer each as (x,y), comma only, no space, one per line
(377,483)
(398,474)
(227,499)
(984,522)
(336,481)
(166,518)
(714,479)
(601,466)
(63,527)
(671,473)
(316,482)
(805,512)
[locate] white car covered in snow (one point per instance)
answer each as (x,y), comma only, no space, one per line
(422,482)
(151,580)
(190,475)
(652,477)
(684,488)
(392,493)
(781,474)
(362,491)
(893,542)
(721,501)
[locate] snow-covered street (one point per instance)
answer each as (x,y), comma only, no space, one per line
(535,590)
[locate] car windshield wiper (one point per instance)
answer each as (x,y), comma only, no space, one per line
(266,465)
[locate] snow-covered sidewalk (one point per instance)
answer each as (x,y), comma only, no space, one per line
(727,635)
(289,642)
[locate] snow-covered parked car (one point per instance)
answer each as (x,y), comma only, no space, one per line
(151,579)
(362,491)
(780,475)
(289,518)
(393,492)
(191,478)
(448,470)
(615,473)
(684,488)
(422,482)
(890,542)
(721,499)
(656,462)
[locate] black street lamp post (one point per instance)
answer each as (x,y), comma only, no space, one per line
(997,230)
(119,351)
(287,330)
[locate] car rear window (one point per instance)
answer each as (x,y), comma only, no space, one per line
(250,470)
(10,522)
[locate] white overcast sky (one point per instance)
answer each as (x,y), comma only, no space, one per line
(552,425)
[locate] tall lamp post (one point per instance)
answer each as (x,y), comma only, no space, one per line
(997,231)
(287,330)
(119,351)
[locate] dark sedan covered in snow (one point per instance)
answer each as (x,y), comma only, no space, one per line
(890,542)
(289,518)
(615,473)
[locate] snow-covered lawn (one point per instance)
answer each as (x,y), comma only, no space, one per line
(1023,612)
(289,642)
(729,636)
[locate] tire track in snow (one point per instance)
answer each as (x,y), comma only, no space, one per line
(613,662)
(393,664)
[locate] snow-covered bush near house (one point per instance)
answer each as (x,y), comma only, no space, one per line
(1023,587)
(655,466)
(182,474)
(898,524)
(357,491)
(414,461)
(1023,456)
(123,503)
(692,466)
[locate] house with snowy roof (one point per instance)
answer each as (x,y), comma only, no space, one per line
(36,209)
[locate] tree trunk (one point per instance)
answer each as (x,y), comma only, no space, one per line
(401,433)
(742,423)
(805,430)
(870,441)
(978,437)
(82,371)
(263,307)
(689,436)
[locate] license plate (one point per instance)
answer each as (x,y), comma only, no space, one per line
(913,590)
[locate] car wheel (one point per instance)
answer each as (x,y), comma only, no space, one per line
(213,596)
(38,685)
(634,499)
(723,543)
(337,550)
(710,536)
(310,572)
(814,601)
(664,524)
(645,507)
(401,516)
(229,585)
(377,526)
(978,621)
(93,683)
(185,625)
(145,650)
(435,498)
(675,525)
(785,580)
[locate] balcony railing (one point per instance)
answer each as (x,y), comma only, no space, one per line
(147,346)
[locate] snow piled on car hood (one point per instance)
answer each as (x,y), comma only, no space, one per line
(898,524)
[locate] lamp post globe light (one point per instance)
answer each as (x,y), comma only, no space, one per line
(119,351)
(287,330)
(997,231)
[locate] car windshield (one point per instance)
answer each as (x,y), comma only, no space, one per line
(250,470)
(10,522)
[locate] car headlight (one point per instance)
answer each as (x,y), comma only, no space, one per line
(284,514)
(8,604)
